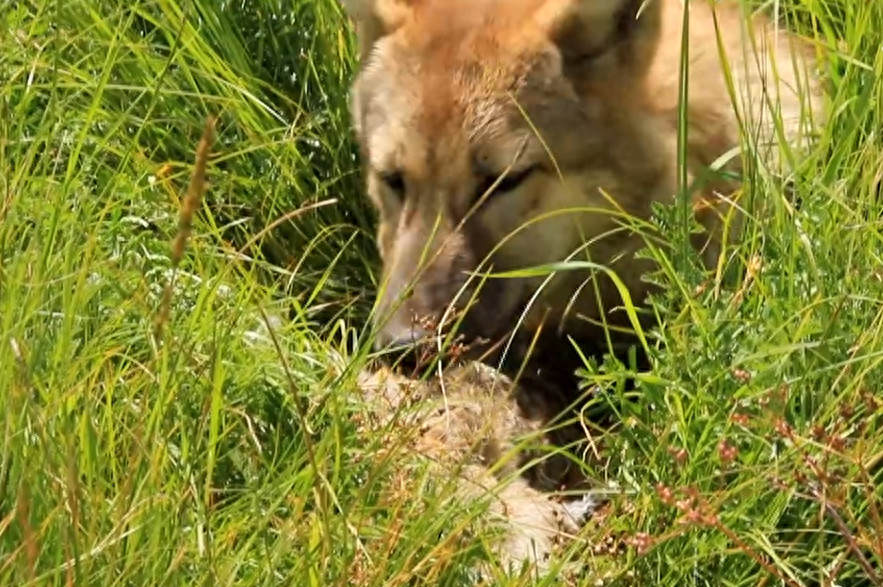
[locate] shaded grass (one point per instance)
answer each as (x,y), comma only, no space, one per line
(229,450)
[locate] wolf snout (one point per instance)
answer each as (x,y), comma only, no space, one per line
(401,336)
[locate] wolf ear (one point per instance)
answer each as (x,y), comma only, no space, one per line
(375,19)
(604,33)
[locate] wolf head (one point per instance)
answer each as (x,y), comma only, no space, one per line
(498,135)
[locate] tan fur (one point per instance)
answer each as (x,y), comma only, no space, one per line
(453,93)
(440,103)
(460,426)
(434,103)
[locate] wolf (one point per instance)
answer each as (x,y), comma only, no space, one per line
(499,135)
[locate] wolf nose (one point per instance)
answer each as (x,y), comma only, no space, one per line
(401,337)
(406,345)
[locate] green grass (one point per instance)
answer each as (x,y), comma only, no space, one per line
(229,449)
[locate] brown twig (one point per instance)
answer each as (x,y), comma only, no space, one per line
(849,538)
(195,191)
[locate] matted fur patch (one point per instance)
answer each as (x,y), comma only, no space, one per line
(466,424)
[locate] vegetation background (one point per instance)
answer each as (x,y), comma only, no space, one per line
(220,444)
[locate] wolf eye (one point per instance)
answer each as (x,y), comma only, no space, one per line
(503,184)
(394,181)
